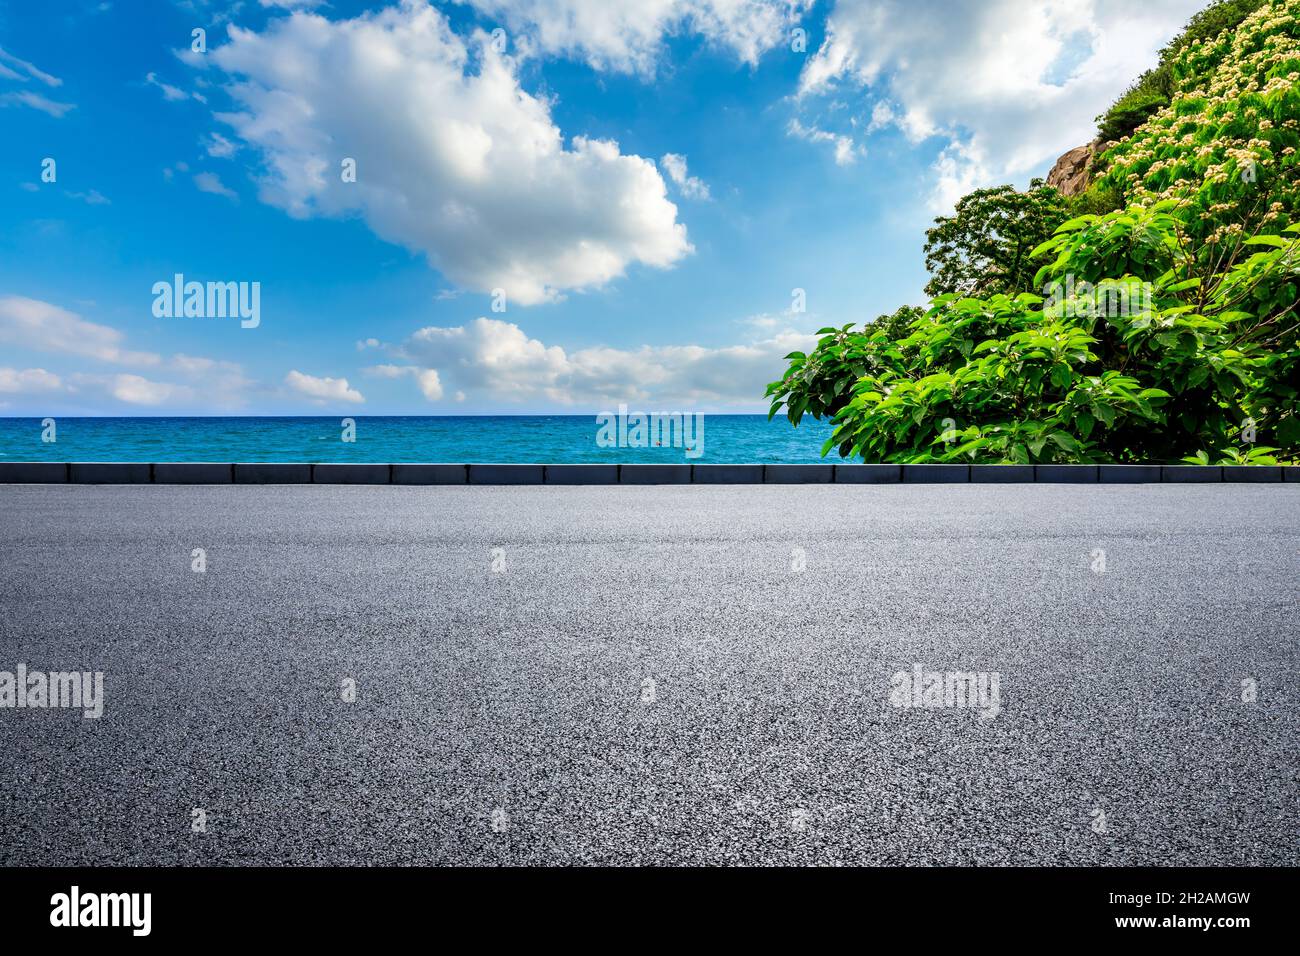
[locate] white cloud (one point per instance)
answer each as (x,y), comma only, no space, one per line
(496,362)
(28,380)
(427,378)
(846,151)
(1011,84)
(136,390)
(692,187)
(322,390)
(30,69)
(453,158)
(92,198)
(33,324)
(220,384)
(628,37)
(36,102)
(219,147)
(211,183)
(12,68)
(172,93)
(389,371)
(882,116)
(207,384)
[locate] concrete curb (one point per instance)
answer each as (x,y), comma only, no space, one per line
(33,472)
(868,474)
(352,474)
(272,473)
(997,474)
(654,474)
(507,474)
(355,473)
(1252,473)
(1069,474)
(798,474)
(580,474)
(110,472)
(727,474)
(1128,474)
(430,474)
(193,473)
(935,474)
(1191,473)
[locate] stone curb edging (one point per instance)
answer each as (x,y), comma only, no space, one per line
(356,473)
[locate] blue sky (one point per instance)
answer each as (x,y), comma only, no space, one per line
(642,186)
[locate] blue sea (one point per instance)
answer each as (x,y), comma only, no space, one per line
(505,438)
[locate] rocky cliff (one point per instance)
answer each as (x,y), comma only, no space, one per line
(1073,171)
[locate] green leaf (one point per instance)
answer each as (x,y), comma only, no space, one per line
(1065,442)
(1084,422)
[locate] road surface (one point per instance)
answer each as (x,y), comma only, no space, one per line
(655,675)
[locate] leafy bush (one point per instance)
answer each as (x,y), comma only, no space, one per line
(1167,328)
(1134,108)
(1181,366)
(1226,145)
(1152,90)
(1212,22)
(819,384)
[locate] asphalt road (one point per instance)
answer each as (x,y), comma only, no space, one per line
(507,716)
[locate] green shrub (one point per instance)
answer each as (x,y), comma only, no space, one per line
(1189,360)
(1226,145)
(1189,227)
(1153,89)
(1135,107)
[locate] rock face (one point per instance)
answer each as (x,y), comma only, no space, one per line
(1072,172)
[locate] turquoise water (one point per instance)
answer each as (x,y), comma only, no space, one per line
(514,438)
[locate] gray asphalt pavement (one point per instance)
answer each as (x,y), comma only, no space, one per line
(645,678)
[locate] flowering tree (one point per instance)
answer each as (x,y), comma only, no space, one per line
(1166,330)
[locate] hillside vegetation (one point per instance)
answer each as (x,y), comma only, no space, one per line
(1152,318)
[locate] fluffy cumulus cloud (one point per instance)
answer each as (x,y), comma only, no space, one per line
(452,157)
(628,37)
(322,391)
(496,362)
(1011,84)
